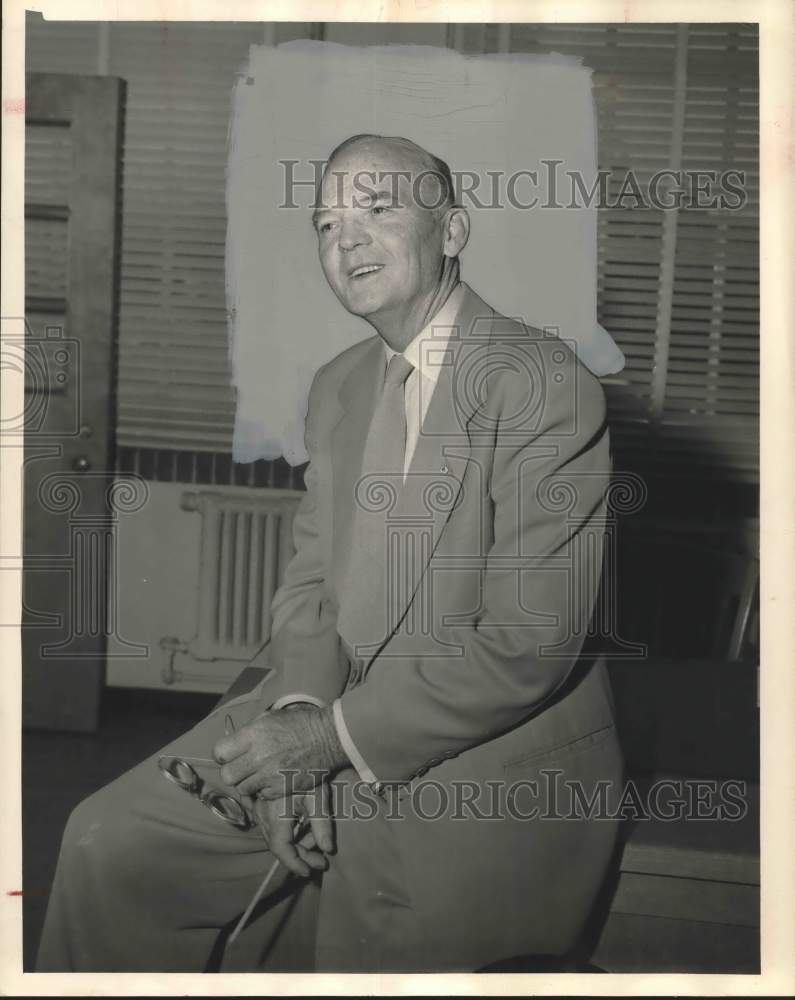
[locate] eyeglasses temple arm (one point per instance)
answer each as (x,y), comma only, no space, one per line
(297,830)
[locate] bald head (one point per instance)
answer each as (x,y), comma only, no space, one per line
(430,177)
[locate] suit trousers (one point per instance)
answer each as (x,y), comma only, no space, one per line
(149,879)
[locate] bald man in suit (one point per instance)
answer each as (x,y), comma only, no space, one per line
(433,709)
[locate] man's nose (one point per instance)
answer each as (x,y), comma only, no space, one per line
(352,234)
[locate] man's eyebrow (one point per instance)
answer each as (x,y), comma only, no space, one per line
(361,198)
(320,210)
(385,194)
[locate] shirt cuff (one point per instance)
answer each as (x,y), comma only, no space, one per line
(293,699)
(350,747)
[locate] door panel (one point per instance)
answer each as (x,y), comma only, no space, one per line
(73,133)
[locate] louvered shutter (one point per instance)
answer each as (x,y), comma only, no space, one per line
(635,124)
(174,373)
(710,417)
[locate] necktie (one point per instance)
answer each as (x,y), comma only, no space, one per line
(363,616)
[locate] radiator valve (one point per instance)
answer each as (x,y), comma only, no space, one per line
(171,645)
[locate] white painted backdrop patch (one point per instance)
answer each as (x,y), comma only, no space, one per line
(484,113)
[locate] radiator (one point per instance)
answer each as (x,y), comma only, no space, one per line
(246,542)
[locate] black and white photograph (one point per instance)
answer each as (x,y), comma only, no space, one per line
(383,413)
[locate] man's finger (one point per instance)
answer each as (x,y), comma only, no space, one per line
(323,833)
(282,847)
(276,784)
(238,770)
(314,859)
(308,841)
(232,746)
(268,791)
(260,809)
(317,811)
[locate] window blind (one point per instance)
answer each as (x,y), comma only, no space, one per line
(678,290)
(174,374)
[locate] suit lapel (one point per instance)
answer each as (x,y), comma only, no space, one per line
(438,466)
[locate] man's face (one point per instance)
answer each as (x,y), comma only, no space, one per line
(381,251)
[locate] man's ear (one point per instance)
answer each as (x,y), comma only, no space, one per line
(456,231)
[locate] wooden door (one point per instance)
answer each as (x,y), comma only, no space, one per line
(73,134)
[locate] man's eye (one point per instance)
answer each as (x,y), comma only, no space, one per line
(378,209)
(325,227)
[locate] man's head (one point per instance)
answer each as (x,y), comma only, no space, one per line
(389,231)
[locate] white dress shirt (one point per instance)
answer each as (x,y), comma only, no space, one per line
(425,352)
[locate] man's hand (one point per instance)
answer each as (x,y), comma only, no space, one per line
(280,753)
(277,818)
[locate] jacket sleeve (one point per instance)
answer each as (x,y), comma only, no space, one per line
(305,652)
(411,714)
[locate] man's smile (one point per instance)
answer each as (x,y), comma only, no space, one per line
(364,269)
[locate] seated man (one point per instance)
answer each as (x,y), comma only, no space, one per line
(431,708)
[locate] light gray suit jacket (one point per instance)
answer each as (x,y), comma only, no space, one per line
(483,683)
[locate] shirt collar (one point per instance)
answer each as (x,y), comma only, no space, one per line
(423,351)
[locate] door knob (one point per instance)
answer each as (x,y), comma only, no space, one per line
(81,464)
